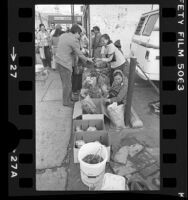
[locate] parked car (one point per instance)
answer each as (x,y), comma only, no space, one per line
(145,45)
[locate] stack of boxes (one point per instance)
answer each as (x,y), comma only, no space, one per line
(89,120)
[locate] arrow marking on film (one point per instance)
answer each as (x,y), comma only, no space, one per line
(13,55)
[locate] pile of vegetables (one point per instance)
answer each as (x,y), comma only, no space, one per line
(95,83)
(88,106)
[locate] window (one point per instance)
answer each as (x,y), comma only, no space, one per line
(150,24)
(140,24)
(156,27)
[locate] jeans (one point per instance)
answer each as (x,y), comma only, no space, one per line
(47,61)
(66,76)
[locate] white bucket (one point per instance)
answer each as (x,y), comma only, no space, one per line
(91,174)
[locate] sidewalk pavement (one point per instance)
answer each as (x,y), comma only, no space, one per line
(55,169)
(53,130)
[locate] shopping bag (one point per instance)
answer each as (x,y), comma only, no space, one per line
(116,113)
(42,55)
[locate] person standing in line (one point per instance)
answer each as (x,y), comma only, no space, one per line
(68,45)
(52,29)
(43,39)
(54,42)
(96,44)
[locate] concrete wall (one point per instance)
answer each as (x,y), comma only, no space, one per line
(119,21)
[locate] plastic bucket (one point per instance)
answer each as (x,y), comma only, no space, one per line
(91,174)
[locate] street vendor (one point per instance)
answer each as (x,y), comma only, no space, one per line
(118,90)
(111,54)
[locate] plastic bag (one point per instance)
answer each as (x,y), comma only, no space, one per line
(116,113)
(88,106)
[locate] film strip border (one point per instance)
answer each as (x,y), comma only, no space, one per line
(22,99)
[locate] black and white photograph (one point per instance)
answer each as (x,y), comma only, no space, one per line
(97,113)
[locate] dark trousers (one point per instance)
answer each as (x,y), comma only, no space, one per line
(48,57)
(65,75)
(76,81)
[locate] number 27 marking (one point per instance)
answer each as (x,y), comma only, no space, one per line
(13,67)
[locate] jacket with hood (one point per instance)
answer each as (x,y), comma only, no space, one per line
(118,93)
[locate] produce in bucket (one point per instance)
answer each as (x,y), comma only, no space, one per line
(92,159)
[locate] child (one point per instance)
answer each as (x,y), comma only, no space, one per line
(118,90)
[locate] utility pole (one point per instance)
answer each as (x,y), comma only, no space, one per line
(130,90)
(40,18)
(72,13)
(89,28)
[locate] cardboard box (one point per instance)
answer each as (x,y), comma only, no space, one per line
(101,136)
(78,112)
(85,124)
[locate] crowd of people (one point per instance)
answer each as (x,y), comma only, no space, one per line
(68,52)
